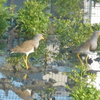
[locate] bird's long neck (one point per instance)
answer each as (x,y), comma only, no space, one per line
(94,38)
(36,43)
(36,40)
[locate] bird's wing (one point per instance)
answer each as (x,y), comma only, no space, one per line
(83,47)
(25,47)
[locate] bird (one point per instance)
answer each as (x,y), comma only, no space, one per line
(87,47)
(28,47)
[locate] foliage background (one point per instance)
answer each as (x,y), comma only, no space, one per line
(4,17)
(33,18)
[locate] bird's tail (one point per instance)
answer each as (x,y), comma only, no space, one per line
(9,52)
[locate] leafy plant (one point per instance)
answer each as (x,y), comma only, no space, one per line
(69,8)
(4,17)
(14,59)
(46,94)
(72,32)
(32,17)
(82,88)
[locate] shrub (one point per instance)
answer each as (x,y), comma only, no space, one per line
(83,90)
(4,17)
(32,17)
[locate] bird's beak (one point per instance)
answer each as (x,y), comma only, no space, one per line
(42,37)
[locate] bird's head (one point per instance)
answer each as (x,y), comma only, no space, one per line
(39,36)
(97,33)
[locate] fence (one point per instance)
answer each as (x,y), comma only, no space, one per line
(91,11)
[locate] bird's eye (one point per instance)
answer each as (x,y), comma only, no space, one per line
(98,33)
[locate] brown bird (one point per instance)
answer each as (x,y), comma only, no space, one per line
(87,47)
(28,47)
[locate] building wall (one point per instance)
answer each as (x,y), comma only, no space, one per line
(91,12)
(60,78)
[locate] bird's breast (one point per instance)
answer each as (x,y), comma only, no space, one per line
(36,45)
(93,46)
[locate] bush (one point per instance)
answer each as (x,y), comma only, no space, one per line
(72,32)
(32,17)
(4,17)
(82,90)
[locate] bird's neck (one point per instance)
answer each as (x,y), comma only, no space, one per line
(36,44)
(94,38)
(36,40)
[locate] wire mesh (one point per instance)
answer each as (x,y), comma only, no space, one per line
(11,95)
(91,11)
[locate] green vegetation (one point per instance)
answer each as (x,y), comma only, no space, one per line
(46,94)
(83,88)
(32,17)
(4,17)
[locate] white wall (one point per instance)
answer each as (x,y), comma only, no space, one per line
(90,12)
(59,77)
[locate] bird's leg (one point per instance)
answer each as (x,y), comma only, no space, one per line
(79,58)
(86,59)
(27,67)
(26,62)
(25,76)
